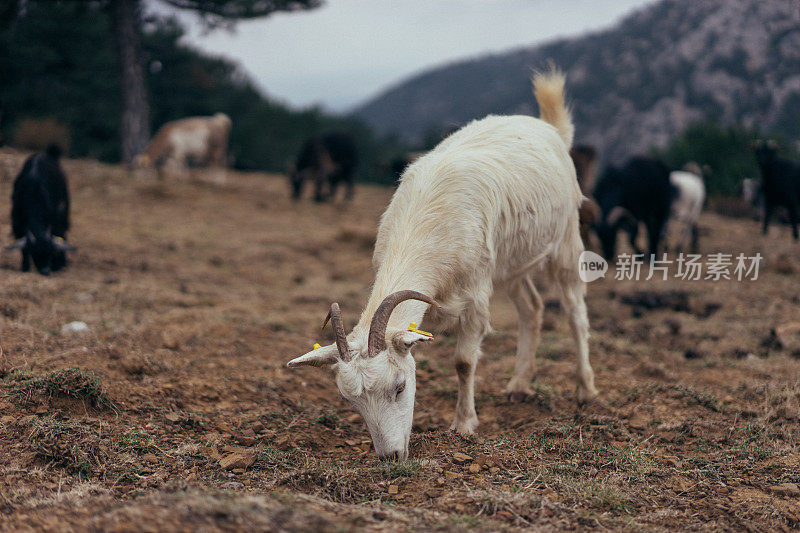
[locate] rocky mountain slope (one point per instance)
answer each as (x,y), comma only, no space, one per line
(632,86)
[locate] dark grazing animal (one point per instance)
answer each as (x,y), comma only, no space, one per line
(780,183)
(584,157)
(40,213)
(640,191)
(326,160)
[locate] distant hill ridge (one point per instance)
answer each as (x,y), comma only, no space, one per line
(632,86)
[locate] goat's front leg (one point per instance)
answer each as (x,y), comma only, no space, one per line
(320,179)
(767,215)
(633,233)
(468,351)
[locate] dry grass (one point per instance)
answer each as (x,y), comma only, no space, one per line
(196,294)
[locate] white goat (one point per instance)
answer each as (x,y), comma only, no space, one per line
(686,207)
(494,202)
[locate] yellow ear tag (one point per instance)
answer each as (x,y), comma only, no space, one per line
(317,346)
(413,328)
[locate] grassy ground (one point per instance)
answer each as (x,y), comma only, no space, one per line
(176,409)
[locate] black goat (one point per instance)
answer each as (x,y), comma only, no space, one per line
(639,191)
(40,213)
(780,183)
(328,160)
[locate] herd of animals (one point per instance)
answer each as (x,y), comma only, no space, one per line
(496,201)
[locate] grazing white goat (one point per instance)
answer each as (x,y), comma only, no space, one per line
(494,202)
(686,207)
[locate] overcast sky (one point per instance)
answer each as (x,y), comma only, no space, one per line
(349,50)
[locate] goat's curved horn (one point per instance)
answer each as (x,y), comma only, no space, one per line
(335,316)
(616,215)
(18,244)
(60,244)
(377,328)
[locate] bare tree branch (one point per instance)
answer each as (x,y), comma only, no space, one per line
(242,9)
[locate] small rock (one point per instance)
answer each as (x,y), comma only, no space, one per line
(474,468)
(257,427)
(354,418)
(210,452)
(786,489)
(74,327)
(150,458)
(237,460)
(172,416)
(245,440)
(789,335)
(461,458)
(170,341)
(233,485)
(505,515)
(393,489)
(451,476)
(673,325)
(84,297)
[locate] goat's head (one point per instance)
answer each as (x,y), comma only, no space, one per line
(44,248)
(611,222)
(378,379)
(765,150)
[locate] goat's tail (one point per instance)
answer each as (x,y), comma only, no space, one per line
(548,88)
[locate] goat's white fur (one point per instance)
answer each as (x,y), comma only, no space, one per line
(493,202)
(686,209)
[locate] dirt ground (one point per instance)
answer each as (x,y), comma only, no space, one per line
(176,412)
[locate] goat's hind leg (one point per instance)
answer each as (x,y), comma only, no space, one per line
(793,220)
(572,298)
(529,307)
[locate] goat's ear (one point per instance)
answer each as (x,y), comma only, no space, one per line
(325,355)
(403,341)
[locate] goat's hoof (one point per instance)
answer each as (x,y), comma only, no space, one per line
(465,427)
(587,396)
(520,396)
(594,406)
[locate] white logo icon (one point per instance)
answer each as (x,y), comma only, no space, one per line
(591,266)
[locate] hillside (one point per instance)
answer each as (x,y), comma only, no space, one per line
(632,86)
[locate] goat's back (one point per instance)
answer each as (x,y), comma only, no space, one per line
(491,196)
